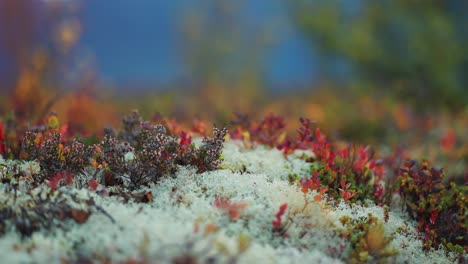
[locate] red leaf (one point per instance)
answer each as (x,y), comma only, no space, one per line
(344,153)
(61,178)
(277,223)
(93,184)
(3,148)
(434,215)
(185,142)
(379,191)
(79,216)
(233,209)
(447,141)
(344,190)
(312,183)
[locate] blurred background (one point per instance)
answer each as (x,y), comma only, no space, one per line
(389,73)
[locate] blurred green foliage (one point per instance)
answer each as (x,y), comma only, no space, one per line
(411,49)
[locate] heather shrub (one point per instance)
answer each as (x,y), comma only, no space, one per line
(208,156)
(54,155)
(42,208)
(132,124)
(141,154)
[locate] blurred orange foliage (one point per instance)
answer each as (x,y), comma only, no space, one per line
(84,113)
(30,97)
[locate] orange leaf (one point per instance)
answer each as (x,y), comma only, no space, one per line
(210,228)
(318,198)
(79,216)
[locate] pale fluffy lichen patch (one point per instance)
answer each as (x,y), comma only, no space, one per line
(183,221)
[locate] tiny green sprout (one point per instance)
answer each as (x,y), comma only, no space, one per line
(455,248)
(224,167)
(367,238)
(293,178)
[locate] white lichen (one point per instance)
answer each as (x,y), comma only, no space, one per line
(174,223)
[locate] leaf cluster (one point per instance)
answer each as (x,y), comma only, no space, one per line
(439,208)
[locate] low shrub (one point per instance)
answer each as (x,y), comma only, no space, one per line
(142,154)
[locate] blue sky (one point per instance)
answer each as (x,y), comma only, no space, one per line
(138,41)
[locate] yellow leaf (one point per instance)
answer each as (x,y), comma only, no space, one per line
(244,242)
(282,137)
(53,122)
(375,238)
(246,135)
